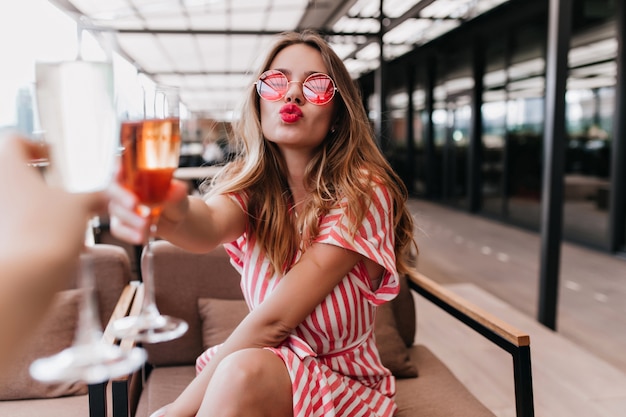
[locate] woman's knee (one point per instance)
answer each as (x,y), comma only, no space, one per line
(249,367)
(252,379)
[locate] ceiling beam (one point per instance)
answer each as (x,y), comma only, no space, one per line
(231,32)
(413,12)
(340,11)
(318,13)
(183,73)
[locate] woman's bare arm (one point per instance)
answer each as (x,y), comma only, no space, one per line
(188,222)
(205,224)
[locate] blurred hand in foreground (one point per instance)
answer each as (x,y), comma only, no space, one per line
(42,231)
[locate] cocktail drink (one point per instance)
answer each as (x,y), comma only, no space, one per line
(150,156)
(151,149)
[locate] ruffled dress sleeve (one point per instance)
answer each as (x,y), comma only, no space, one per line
(374,239)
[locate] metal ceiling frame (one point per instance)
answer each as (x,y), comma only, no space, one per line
(320,15)
(342,9)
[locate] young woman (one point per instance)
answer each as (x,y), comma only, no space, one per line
(314,218)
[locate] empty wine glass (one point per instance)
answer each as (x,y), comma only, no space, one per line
(75,101)
(151,149)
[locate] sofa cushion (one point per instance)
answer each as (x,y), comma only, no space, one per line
(54,333)
(405,313)
(74,406)
(393,352)
(437,392)
(219,318)
(162,387)
(180,278)
(112,272)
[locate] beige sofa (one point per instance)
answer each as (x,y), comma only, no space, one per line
(20,395)
(204,290)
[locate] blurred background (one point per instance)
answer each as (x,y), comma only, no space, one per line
(452,87)
(457,91)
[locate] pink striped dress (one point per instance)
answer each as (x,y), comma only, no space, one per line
(331,356)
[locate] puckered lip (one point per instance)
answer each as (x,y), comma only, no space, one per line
(292,109)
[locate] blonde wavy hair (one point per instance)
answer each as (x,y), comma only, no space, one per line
(336,172)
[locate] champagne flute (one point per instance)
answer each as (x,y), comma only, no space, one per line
(151,149)
(75,101)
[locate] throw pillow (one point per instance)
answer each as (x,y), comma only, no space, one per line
(391,347)
(53,334)
(219,318)
(404,310)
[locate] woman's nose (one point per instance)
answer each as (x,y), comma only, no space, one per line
(294,92)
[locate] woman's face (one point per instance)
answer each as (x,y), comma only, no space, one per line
(292,122)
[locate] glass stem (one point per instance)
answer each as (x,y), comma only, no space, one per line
(149,302)
(89,329)
(79,41)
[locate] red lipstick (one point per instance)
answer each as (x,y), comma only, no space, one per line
(290,113)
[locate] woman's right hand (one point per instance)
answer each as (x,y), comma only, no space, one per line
(131,224)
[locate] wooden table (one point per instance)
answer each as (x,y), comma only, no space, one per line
(195,175)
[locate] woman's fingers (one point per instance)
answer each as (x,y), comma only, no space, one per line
(127,233)
(131,224)
(122,197)
(126,221)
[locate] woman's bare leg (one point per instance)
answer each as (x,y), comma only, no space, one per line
(250,383)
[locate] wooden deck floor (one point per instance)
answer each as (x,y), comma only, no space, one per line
(580,370)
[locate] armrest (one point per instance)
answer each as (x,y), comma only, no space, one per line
(125,389)
(134,309)
(508,337)
(451,301)
(97,392)
(122,308)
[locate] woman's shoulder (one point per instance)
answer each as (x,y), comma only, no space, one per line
(241,198)
(372,178)
(374,185)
